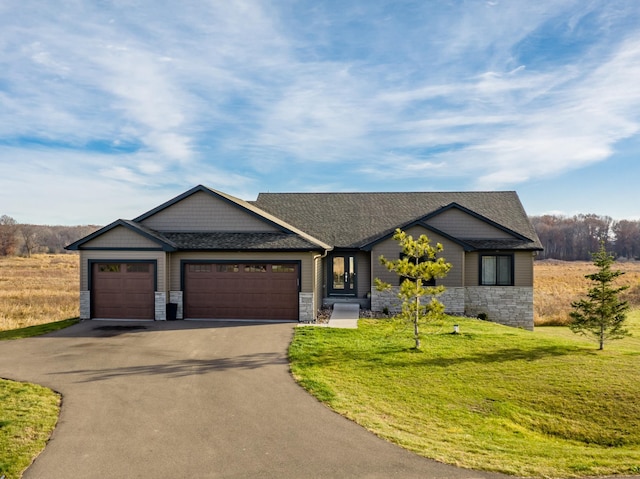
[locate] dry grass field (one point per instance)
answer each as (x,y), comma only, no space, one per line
(44,288)
(36,290)
(558,283)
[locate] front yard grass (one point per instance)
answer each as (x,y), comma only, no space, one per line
(28,412)
(37,330)
(542,404)
(28,415)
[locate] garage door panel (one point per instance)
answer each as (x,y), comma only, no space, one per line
(241,291)
(123,290)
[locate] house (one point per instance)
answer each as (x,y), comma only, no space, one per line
(207,254)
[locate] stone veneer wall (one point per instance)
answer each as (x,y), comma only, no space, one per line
(160,306)
(176,297)
(453,300)
(508,305)
(85,304)
(305,305)
(385,299)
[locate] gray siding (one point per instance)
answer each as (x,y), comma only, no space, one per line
(462,225)
(121,237)
(202,212)
(452,253)
(523,269)
(363,273)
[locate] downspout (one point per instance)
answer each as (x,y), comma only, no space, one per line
(319,257)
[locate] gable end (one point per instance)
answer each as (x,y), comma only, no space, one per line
(190,211)
(149,240)
(507,232)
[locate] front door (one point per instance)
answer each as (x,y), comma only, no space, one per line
(342,275)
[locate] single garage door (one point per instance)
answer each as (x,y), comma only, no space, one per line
(241,291)
(123,290)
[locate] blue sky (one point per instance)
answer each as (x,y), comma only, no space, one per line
(109,108)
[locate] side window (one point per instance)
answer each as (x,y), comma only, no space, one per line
(283,268)
(496,270)
(227,268)
(137,267)
(109,267)
(199,268)
(255,268)
(431,282)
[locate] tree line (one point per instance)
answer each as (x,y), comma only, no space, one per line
(564,238)
(26,239)
(576,238)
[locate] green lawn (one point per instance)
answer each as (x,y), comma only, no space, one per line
(28,412)
(37,330)
(28,415)
(544,404)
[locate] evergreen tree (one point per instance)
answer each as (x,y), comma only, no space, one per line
(602,313)
(418,266)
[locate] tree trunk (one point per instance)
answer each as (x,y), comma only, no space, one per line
(416,333)
(601,337)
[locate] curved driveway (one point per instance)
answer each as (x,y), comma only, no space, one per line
(194,400)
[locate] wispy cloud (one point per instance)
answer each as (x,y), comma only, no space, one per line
(251,95)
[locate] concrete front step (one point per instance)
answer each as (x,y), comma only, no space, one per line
(345,315)
(364,303)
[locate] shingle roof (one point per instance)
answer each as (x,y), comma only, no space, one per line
(351,220)
(239,241)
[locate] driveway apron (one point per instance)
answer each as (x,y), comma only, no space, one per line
(194,400)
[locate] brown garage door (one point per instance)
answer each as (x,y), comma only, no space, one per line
(241,290)
(123,290)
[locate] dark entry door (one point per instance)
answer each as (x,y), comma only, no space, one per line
(342,275)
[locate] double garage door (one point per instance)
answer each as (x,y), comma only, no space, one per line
(125,290)
(241,290)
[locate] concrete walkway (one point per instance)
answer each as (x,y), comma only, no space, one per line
(345,315)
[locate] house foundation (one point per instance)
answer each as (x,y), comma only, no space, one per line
(509,305)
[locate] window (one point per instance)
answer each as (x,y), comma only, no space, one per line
(137,267)
(227,268)
(109,267)
(283,268)
(496,270)
(199,268)
(431,282)
(255,268)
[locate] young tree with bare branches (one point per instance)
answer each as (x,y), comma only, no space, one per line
(8,232)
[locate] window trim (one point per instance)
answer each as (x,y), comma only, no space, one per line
(511,257)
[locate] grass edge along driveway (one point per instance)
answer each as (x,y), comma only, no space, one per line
(28,416)
(541,404)
(28,412)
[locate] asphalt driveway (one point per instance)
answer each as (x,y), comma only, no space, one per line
(194,400)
